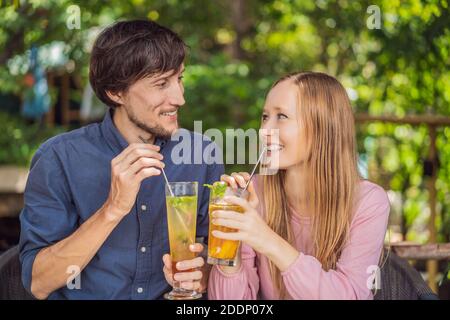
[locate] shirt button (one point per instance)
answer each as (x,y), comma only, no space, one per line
(140,290)
(143,207)
(143,249)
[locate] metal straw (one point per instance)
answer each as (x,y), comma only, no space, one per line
(167,182)
(254,168)
(180,217)
(164,173)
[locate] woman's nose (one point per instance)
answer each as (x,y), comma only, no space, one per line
(269,134)
(269,124)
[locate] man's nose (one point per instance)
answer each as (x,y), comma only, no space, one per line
(176,95)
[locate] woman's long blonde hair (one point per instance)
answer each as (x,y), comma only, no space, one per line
(324,110)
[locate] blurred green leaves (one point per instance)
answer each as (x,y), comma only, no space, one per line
(19,139)
(400,69)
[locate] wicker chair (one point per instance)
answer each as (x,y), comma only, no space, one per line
(11,287)
(400,281)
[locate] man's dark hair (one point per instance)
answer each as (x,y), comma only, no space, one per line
(128,51)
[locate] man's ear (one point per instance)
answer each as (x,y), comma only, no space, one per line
(116,97)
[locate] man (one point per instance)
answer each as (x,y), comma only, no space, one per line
(94,200)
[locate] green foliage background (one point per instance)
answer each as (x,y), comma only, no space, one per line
(238,48)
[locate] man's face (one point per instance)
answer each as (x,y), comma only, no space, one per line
(152,103)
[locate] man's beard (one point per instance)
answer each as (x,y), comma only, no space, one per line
(157,131)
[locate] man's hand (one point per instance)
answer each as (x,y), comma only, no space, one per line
(192,280)
(134,164)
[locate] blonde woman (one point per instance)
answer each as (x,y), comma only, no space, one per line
(315,229)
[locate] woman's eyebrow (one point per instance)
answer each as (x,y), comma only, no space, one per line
(276,108)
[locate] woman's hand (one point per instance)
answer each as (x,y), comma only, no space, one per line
(239,180)
(251,227)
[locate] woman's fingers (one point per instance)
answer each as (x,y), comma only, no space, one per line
(227,235)
(246,175)
(239,201)
(253,197)
(227,214)
(239,179)
(229,180)
(227,223)
(242,178)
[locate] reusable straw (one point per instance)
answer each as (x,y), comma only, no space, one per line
(180,217)
(254,168)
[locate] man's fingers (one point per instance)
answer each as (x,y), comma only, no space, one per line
(147,172)
(139,153)
(188,276)
(167,261)
(135,153)
(191,285)
(133,147)
(145,163)
(190,264)
(196,247)
(168,274)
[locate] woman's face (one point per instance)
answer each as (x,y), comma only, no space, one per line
(282,132)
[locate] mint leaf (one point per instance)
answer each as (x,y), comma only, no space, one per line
(218,189)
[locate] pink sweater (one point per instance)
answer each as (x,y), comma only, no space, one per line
(305,278)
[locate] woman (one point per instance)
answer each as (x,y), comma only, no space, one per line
(315,229)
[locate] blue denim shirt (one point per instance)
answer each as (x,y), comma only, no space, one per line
(69,181)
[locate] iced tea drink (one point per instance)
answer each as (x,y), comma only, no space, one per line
(181,202)
(221,251)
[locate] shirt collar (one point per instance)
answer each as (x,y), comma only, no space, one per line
(115,138)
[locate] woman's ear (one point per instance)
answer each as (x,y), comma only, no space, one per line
(116,97)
